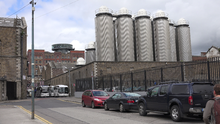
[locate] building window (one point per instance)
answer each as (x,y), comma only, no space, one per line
(40,61)
(36,61)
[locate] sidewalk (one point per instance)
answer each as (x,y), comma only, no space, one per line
(10,114)
(15,115)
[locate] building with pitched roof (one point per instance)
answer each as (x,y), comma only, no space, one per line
(13,61)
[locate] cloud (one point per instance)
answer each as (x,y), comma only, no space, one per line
(77,45)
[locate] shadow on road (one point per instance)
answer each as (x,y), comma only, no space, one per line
(167,117)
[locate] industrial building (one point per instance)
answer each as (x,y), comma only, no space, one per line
(43,57)
(64,55)
(13,61)
(135,51)
(121,36)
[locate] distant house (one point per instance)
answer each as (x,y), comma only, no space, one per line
(213,52)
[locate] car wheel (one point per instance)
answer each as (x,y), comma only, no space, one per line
(142,109)
(106,106)
(93,105)
(121,108)
(83,104)
(175,113)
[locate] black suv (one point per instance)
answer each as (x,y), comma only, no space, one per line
(179,99)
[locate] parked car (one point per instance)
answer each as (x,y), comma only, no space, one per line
(94,98)
(178,99)
(122,101)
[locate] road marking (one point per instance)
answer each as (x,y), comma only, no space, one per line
(69,101)
(36,116)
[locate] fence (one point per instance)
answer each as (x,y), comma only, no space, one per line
(202,71)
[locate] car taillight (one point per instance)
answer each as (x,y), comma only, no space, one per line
(130,101)
(190,100)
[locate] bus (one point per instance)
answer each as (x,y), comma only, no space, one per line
(52,91)
(63,90)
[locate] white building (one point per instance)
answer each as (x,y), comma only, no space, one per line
(213,52)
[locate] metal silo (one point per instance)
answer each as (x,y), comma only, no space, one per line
(125,36)
(161,37)
(144,43)
(172,41)
(183,40)
(90,53)
(105,50)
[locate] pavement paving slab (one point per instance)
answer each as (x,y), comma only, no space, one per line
(14,115)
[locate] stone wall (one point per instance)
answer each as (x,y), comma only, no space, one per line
(13,44)
(104,68)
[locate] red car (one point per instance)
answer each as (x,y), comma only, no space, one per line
(94,98)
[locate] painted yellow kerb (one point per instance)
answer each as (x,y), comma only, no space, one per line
(38,117)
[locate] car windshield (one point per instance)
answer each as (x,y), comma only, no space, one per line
(131,94)
(99,93)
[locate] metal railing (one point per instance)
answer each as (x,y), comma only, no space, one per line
(202,71)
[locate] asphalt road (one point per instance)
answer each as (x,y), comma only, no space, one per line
(57,111)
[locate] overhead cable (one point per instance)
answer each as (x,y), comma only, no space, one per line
(57,9)
(19,10)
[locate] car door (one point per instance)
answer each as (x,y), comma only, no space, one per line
(163,98)
(112,102)
(117,101)
(152,102)
(84,97)
(89,98)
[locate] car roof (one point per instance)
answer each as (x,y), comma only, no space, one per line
(93,90)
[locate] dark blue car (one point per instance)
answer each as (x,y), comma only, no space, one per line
(122,101)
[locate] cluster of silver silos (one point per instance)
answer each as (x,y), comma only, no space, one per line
(123,37)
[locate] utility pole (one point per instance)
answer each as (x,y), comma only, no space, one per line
(32,61)
(69,83)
